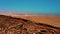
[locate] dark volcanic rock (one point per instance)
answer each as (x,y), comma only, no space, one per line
(12,25)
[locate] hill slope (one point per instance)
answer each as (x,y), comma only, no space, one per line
(53,20)
(12,25)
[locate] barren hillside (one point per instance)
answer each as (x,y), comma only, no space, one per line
(47,19)
(12,25)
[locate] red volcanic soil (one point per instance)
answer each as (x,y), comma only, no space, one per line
(14,25)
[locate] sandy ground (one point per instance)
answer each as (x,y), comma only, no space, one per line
(47,19)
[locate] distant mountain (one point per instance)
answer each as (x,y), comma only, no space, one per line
(12,25)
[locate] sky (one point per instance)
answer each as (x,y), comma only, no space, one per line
(30,6)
